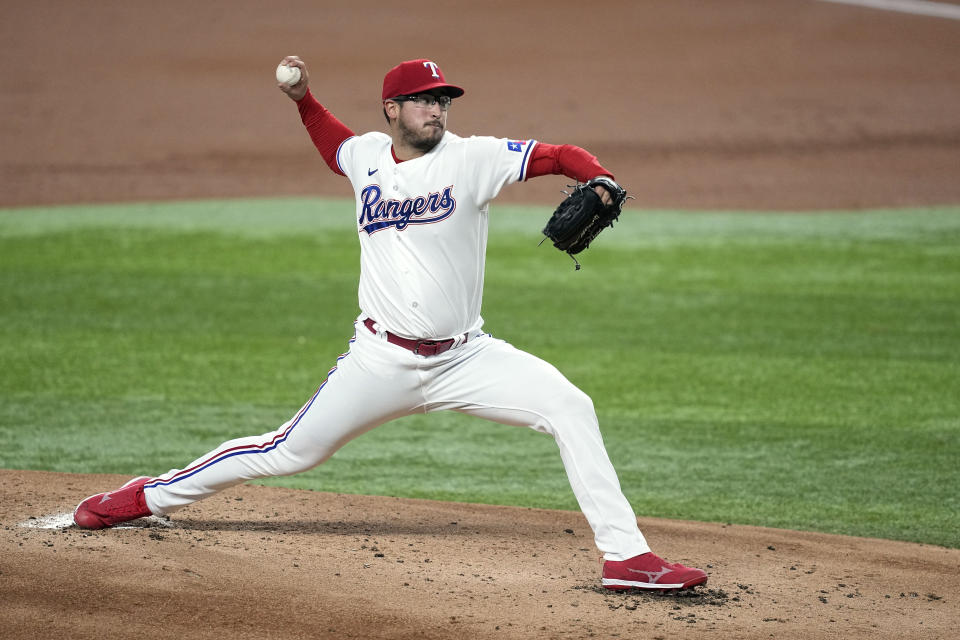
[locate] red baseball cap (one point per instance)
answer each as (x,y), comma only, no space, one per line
(416,76)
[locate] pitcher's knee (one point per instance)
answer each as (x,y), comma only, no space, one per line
(572,406)
(290,461)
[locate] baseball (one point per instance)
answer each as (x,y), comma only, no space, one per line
(288,75)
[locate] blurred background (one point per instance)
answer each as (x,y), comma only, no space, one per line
(739,104)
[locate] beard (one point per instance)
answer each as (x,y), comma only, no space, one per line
(423,140)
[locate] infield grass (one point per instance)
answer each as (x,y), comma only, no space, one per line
(789,370)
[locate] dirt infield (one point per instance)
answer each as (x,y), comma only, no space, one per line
(794,104)
(735,104)
(257,562)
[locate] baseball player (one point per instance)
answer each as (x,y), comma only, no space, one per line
(422,198)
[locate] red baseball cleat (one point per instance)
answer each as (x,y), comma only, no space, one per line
(649,571)
(109,509)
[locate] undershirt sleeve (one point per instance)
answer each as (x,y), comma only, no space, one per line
(325,130)
(564,159)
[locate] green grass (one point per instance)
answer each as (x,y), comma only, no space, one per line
(790,370)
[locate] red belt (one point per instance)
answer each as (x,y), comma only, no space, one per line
(419,347)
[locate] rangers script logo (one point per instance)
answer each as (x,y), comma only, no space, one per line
(377,213)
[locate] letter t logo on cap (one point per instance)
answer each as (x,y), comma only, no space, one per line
(433,68)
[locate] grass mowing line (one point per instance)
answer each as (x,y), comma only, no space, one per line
(268,217)
(257,218)
(800,369)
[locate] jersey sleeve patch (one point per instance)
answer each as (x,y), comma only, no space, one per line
(527,146)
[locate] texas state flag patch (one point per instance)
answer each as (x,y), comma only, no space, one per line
(516,145)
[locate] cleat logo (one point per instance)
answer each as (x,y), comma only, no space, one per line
(653,576)
(105,497)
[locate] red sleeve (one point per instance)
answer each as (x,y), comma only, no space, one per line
(325,130)
(565,159)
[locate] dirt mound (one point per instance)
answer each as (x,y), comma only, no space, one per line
(259,562)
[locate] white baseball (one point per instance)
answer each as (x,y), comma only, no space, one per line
(288,75)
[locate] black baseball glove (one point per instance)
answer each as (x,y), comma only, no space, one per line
(582,216)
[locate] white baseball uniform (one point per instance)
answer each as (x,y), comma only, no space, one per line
(422,226)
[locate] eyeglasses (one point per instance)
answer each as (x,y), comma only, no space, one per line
(426,100)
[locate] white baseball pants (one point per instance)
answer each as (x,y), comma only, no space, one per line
(376,381)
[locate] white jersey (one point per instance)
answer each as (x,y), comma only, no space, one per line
(423,240)
(423,228)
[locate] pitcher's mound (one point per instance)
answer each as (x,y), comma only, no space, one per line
(261,562)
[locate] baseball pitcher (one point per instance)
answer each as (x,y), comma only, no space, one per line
(422,198)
